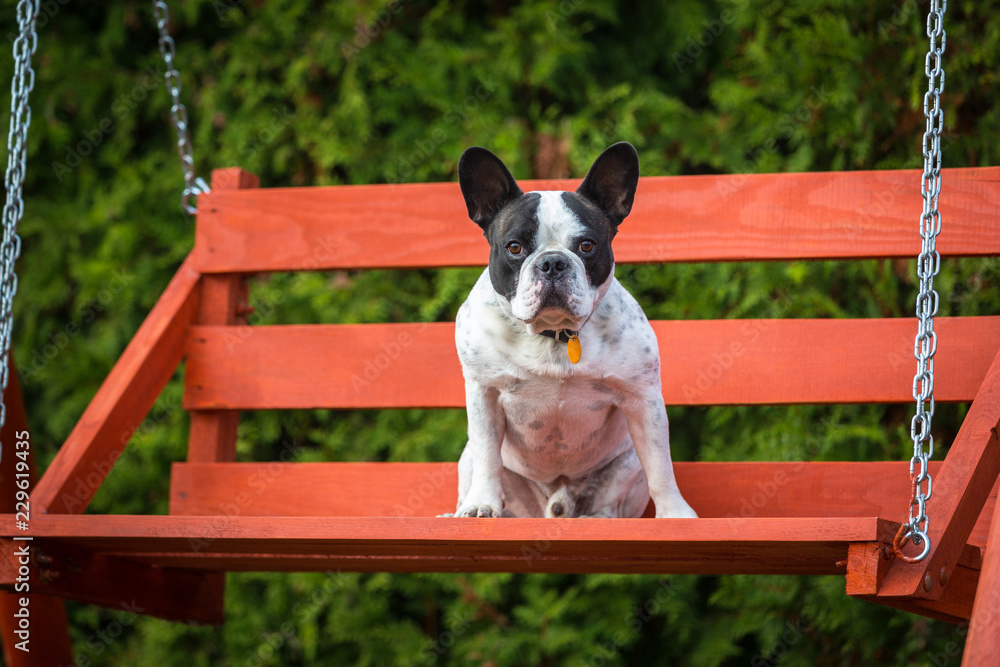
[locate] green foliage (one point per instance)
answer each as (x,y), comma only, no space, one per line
(309,93)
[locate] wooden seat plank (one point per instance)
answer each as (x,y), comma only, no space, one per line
(675,218)
(705,362)
(755,545)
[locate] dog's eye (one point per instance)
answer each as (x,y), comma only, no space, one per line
(586,245)
(514,248)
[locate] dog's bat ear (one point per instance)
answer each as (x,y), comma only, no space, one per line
(486,184)
(612,180)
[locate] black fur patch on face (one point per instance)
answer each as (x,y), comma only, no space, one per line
(517,221)
(601,260)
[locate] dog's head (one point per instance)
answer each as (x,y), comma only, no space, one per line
(550,252)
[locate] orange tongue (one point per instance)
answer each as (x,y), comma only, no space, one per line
(573,348)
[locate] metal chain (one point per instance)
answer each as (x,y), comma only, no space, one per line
(17,152)
(193,185)
(928,264)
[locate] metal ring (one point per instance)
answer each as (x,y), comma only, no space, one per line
(903,536)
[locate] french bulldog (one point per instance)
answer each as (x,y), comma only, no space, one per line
(561,366)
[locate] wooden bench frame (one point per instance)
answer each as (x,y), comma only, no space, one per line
(791,517)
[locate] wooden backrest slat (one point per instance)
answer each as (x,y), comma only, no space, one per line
(705,362)
(679,218)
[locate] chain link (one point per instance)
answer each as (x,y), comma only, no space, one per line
(193,185)
(17,153)
(928,265)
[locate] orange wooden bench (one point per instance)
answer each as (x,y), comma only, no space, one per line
(791,517)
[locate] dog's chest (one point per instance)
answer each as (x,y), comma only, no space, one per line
(560,425)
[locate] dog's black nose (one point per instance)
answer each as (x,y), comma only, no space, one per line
(552,265)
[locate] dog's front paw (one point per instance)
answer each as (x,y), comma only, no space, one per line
(480,509)
(676,510)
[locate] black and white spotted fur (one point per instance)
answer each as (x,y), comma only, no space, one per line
(548,437)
